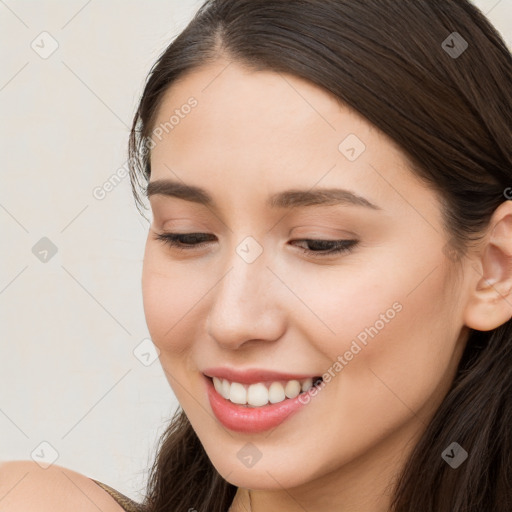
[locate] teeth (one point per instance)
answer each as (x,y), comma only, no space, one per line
(276,393)
(225,389)
(258,394)
(307,384)
(237,393)
(292,388)
(217,384)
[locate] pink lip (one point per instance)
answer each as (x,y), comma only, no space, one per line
(253,375)
(251,420)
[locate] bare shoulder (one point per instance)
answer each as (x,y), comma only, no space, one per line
(26,487)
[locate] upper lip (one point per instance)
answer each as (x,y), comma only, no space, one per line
(253,375)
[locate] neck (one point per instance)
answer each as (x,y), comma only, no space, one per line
(241,501)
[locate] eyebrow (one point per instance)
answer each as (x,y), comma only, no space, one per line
(293,198)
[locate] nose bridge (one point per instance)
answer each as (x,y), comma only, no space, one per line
(243,287)
(244,306)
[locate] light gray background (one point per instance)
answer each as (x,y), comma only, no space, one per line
(69,326)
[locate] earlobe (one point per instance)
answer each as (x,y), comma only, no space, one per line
(490,300)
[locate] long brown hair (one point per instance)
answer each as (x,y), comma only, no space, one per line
(449,108)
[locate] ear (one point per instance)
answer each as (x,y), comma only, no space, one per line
(490,301)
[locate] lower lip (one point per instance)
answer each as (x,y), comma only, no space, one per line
(252,419)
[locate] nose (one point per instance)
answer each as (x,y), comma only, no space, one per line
(246,304)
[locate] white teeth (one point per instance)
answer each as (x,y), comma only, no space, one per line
(292,388)
(217,384)
(237,393)
(276,393)
(257,395)
(225,389)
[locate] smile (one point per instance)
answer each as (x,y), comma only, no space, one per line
(258,406)
(262,393)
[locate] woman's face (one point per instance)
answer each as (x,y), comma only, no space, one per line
(383,318)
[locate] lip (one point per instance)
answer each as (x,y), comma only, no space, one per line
(253,375)
(252,420)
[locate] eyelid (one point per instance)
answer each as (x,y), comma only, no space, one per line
(343,246)
(328,232)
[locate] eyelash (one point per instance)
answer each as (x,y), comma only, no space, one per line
(174,240)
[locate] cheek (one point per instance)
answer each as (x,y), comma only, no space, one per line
(397,361)
(389,331)
(169,295)
(171,308)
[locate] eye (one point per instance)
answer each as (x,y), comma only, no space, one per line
(317,248)
(184,241)
(327,247)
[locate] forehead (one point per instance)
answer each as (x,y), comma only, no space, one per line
(265,131)
(257,111)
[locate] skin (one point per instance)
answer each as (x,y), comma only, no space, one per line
(27,487)
(255,133)
(291,312)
